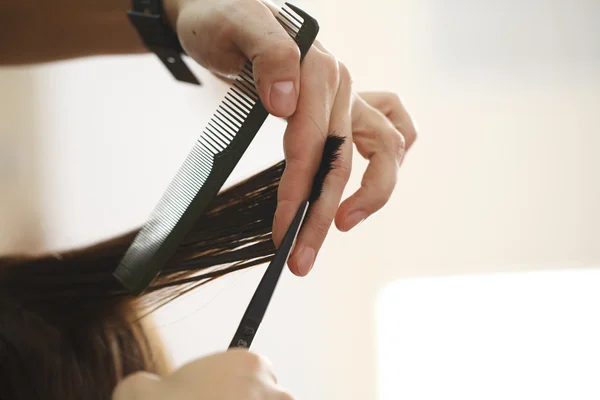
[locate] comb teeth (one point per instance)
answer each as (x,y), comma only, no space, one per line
(291,21)
(166,214)
(242,96)
(214,155)
(232,112)
(216,137)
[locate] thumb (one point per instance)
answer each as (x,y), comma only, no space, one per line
(275,58)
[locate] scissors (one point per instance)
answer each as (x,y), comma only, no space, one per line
(262,296)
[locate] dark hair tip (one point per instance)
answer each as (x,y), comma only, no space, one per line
(331,153)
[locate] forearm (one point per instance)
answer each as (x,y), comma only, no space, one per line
(34,31)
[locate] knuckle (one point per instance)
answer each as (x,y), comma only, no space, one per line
(344,73)
(322,224)
(277,56)
(329,64)
(284,51)
(410,134)
(223,31)
(222,34)
(396,143)
(251,362)
(297,164)
(393,99)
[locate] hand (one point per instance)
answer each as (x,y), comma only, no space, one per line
(382,131)
(232,375)
(317,100)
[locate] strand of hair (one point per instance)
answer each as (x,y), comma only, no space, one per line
(218,273)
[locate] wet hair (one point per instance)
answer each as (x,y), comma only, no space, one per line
(68,330)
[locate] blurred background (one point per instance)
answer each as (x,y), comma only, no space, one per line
(478,279)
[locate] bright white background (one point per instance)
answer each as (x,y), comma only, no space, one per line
(503,336)
(504,176)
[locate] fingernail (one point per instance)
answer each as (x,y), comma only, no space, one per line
(354,219)
(306,259)
(283,98)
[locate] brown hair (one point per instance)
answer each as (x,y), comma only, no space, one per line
(68,330)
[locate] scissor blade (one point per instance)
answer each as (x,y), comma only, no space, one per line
(262,296)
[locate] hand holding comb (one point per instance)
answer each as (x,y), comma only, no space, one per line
(225,139)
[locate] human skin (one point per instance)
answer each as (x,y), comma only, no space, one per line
(316,98)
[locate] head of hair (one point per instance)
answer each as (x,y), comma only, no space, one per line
(68,330)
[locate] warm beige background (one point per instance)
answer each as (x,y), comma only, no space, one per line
(19,162)
(505,174)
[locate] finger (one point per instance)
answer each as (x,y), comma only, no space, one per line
(383,145)
(323,211)
(391,106)
(268,370)
(246,363)
(254,362)
(305,137)
(280,394)
(138,385)
(275,58)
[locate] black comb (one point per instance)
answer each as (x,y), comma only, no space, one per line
(214,156)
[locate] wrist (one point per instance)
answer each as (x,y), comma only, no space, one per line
(156,23)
